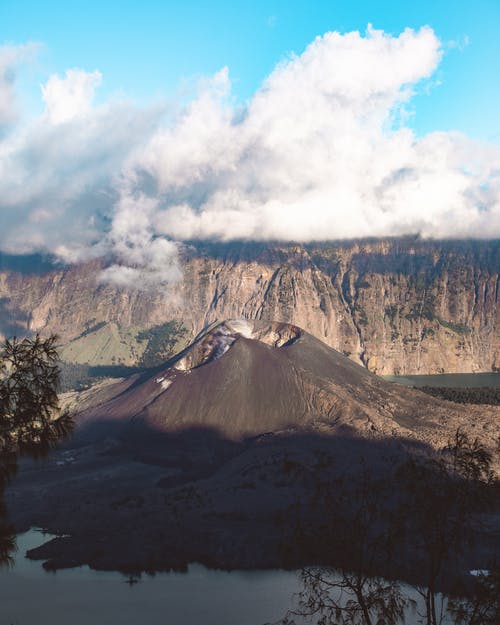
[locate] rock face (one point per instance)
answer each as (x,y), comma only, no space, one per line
(397,307)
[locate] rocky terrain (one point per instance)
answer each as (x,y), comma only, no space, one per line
(397,306)
(222,453)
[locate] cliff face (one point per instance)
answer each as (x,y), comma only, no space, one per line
(398,307)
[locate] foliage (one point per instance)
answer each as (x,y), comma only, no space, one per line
(458,328)
(349,598)
(425,513)
(444,494)
(482,395)
(470,460)
(7,539)
(360,533)
(424,309)
(30,418)
(78,377)
(162,341)
(483,606)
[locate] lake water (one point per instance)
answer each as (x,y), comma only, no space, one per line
(81,596)
(31,596)
(448,380)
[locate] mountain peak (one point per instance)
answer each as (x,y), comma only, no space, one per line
(217,340)
(243,378)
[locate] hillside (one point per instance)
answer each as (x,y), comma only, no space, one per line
(246,378)
(220,454)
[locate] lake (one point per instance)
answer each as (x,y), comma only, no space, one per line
(448,380)
(31,596)
(81,596)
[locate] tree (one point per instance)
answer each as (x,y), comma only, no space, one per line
(482,606)
(425,513)
(30,418)
(445,493)
(360,534)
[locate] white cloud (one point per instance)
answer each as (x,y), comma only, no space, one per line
(57,180)
(71,96)
(10,58)
(321,151)
(143,259)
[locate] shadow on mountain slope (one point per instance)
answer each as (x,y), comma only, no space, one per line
(128,496)
(260,446)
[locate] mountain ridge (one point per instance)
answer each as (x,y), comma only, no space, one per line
(397,306)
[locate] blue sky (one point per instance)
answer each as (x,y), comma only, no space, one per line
(150,50)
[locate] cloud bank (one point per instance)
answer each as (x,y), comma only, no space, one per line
(10,58)
(322,151)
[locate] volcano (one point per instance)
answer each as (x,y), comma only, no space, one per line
(221,453)
(245,378)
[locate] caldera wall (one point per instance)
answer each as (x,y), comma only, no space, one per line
(399,306)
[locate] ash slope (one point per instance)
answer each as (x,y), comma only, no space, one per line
(244,378)
(170,468)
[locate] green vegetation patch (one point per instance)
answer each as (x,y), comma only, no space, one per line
(78,377)
(92,328)
(106,350)
(163,341)
(107,344)
(484,395)
(458,328)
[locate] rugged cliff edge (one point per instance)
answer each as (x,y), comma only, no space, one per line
(398,306)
